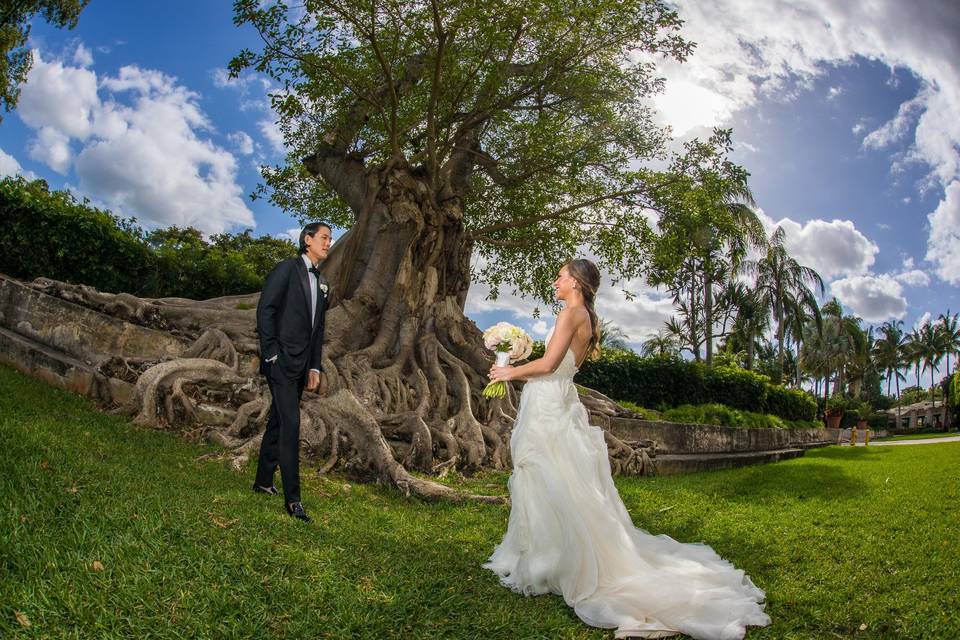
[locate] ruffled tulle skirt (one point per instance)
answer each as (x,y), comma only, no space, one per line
(570,534)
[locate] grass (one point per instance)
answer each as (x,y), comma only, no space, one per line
(848,542)
(918,436)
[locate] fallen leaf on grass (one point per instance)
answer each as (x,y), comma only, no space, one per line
(223,524)
(22,619)
(863,627)
(44,464)
(72,489)
(97,565)
(665,509)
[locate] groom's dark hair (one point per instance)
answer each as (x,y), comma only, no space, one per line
(311,230)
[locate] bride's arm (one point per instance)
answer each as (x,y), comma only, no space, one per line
(566,326)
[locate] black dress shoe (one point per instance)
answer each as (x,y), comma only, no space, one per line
(271,490)
(297,512)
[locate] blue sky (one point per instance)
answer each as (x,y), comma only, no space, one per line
(845,113)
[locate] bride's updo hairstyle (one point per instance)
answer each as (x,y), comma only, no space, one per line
(588,277)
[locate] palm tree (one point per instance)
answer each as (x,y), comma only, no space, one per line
(797,319)
(661,344)
(949,327)
(888,353)
(836,346)
(612,336)
(913,351)
(862,365)
(782,283)
(931,351)
(751,321)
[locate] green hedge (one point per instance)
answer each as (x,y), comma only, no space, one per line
(665,383)
(726,417)
(52,234)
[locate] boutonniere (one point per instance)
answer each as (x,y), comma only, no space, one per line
(323,287)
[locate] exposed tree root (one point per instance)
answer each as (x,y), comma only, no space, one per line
(404,368)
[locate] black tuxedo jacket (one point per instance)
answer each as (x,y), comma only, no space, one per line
(283,321)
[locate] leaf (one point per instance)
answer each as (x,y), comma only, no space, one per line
(72,489)
(22,618)
(97,565)
(223,524)
(863,627)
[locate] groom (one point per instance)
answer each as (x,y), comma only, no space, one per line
(290,318)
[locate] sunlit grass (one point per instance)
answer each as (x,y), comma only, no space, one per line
(846,541)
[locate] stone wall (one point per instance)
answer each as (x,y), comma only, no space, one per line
(680,438)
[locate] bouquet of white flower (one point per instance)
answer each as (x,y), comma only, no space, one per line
(510,344)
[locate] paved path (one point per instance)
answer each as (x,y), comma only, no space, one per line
(874,443)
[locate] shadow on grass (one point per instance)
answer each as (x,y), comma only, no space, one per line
(786,481)
(846,453)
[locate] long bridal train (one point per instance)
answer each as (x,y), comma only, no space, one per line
(569,533)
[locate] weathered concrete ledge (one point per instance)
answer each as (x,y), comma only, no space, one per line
(79,332)
(60,369)
(688,448)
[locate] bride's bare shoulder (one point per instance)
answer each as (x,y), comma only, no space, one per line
(574,315)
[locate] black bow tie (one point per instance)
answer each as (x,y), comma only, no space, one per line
(314,271)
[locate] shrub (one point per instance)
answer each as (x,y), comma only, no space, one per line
(790,404)
(718,414)
(670,382)
(52,234)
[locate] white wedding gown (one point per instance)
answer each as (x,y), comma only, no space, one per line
(570,534)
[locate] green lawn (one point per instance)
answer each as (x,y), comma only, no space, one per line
(846,541)
(917,436)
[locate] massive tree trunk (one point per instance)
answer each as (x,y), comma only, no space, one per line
(404,367)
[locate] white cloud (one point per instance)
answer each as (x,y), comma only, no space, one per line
(834,248)
(898,127)
(834,92)
(748,50)
(60,97)
(242,142)
(922,320)
(82,56)
(10,167)
(140,150)
(943,248)
(52,147)
(271,131)
(873,298)
(914,278)
(539,328)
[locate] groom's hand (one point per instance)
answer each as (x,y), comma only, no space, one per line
(313,380)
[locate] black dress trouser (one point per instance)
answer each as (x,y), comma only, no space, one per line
(281,440)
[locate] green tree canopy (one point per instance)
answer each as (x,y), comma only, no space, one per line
(528,120)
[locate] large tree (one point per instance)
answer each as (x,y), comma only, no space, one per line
(15,57)
(453,141)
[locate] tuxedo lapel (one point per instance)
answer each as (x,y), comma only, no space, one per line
(321,304)
(304,283)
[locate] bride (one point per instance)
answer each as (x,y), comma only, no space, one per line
(569,532)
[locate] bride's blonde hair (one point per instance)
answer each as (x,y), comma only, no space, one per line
(588,277)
